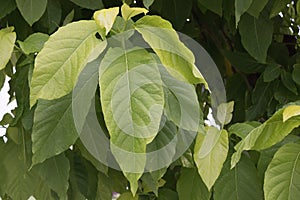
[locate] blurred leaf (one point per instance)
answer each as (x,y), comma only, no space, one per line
(288,82)
(128,196)
(240,8)
(7,6)
(52,16)
(190,185)
(34,43)
(213,5)
(7,42)
(148,3)
(167,194)
(256,39)
(90,4)
(278,6)
(296,73)
(272,72)
(210,153)
(283,174)
(31,10)
(256,7)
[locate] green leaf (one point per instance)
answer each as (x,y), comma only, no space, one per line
(7,42)
(52,133)
(264,136)
(128,196)
(7,6)
(173,54)
(148,3)
(296,73)
(52,16)
(288,82)
(210,153)
(190,186)
(213,5)
(278,6)
(132,102)
(224,113)
(272,72)
(90,4)
(129,12)
(290,111)
(242,129)
(104,190)
(55,173)
(256,7)
(167,194)
(256,39)
(240,8)
(2,81)
(32,10)
(240,183)
(283,174)
(61,60)
(34,43)
(105,19)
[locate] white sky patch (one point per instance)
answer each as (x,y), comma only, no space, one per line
(4,106)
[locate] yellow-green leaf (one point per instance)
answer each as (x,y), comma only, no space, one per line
(290,111)
(129,12)
(105,18)
(61,60)
(7,42)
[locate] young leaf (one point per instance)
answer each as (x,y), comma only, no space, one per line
(173,54)
(105,19)
(282,179)
(190,185)
(32,10)
(90,4)
(210,153)
(240,183)
(132,102)
(7,42)
(129,12)
(49,135)
(34,43)
(256,39)
(213,5)
(240,8)
(61,60)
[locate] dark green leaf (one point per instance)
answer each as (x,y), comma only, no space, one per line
(52,16)
(6,7)
(256,36)
(213,5)
(272,72)
(167,194)
(278,6)
(190,186)
(148,3)
(32,10)
(296,73)
(256,7)
(288,82)
(240,8)
(90,4)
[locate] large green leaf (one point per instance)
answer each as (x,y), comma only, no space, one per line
(55,173)
(240,183)
(7,6)
(256,36)
(213,5)
(61,60)
(132,102)
(90,4)
(282,178)
(7,42)
(32,10)
(173,54)
(264,136)
(190,186)
(210,153)
(240,8)
(54,130)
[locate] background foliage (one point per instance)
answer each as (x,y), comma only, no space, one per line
(255,44)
